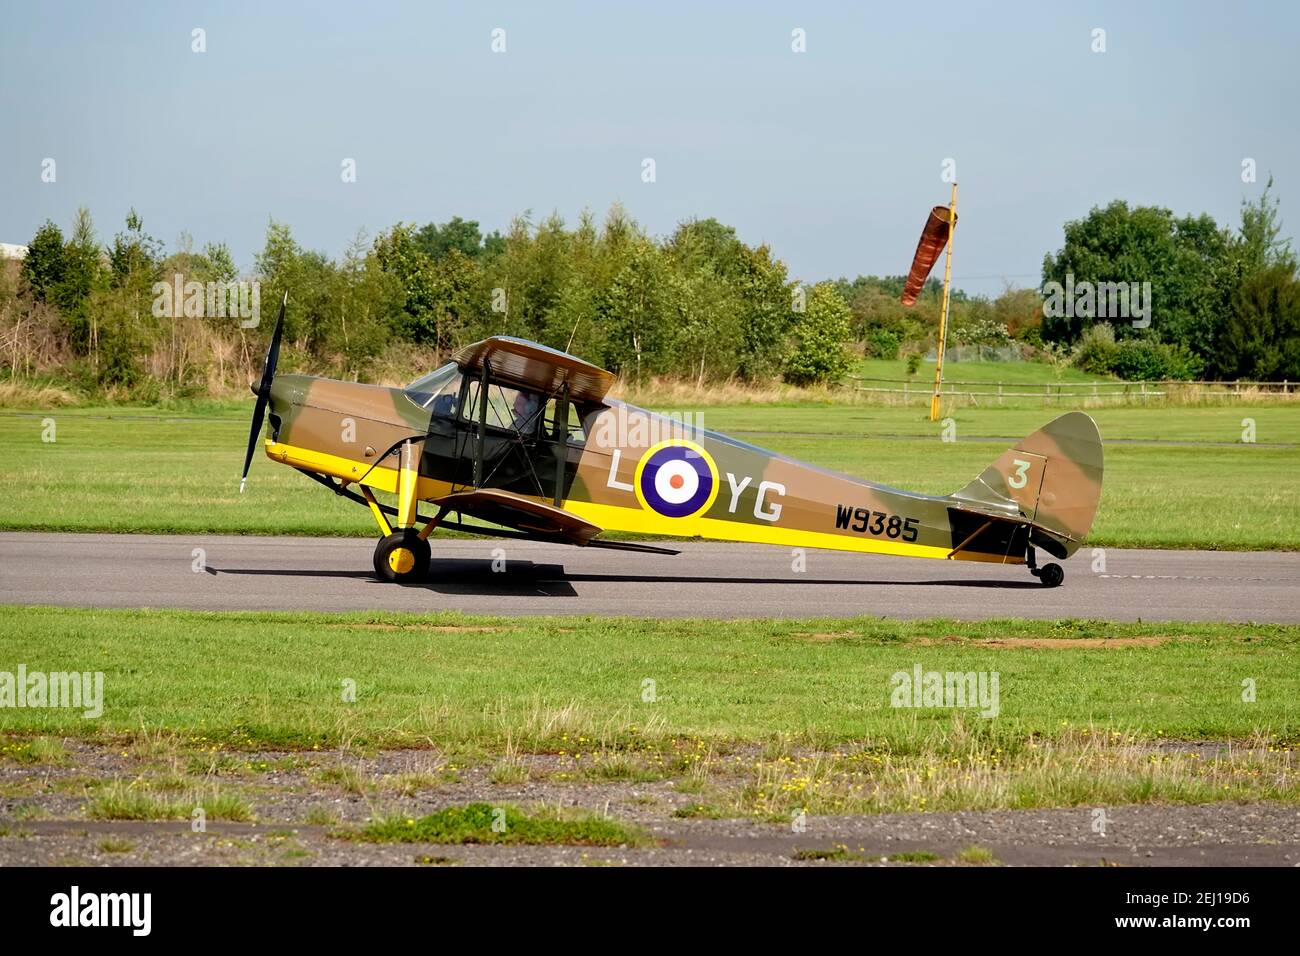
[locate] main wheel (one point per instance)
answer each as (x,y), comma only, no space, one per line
(1051,575)
(402,557)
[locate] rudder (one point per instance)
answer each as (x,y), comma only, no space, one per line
(1053,477)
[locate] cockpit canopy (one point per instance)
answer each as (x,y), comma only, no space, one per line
(438,391)
(510,408)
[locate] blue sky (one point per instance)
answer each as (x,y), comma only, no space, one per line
(832,156)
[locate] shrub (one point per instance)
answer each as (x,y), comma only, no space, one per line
(1095,352)
(1134,359)
(1261,337)
(1139,360)
(819,355)
(882,343)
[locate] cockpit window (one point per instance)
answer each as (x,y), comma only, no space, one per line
(437,391)
(518,410)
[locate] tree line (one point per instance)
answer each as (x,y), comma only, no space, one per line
(1224,304)
(699,304)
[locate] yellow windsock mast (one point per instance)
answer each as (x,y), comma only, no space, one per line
(942,345)
(936,235)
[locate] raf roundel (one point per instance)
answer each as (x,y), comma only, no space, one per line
(676,479)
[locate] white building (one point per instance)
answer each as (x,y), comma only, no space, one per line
(10,251)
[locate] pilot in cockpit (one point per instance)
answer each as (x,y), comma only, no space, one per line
(525,409)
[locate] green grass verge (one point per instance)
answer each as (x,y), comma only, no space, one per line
(977,856)
(156,472)
(120,801)
(482,823)
(837,854)
(41,751)
(915,856)
(478,684)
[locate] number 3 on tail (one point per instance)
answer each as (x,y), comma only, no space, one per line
(1021,477)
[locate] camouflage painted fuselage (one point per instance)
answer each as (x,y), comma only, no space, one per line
(635,471)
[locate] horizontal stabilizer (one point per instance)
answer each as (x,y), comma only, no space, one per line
(1055,542)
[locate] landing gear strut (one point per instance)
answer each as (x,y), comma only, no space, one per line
(1050,575)
(402,554)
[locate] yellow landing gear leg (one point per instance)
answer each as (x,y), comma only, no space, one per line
(402,555)
(407,478)
(380,518)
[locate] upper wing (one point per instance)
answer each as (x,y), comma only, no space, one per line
(529,365)
(522,514)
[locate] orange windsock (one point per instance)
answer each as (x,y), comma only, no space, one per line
(933,238)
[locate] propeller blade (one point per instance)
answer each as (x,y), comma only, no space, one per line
(273,353)
(264,391)
(258,411)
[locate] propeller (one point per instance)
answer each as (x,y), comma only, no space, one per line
(263,390)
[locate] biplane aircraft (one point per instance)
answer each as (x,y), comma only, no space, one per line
(524,440)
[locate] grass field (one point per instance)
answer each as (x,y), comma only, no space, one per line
(472,682)
(1175,477)
(759,718)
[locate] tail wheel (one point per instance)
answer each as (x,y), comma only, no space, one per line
(1050,575)
(402,556)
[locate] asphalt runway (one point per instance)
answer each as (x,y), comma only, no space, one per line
(706,579)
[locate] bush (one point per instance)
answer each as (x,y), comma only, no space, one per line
(819,356)
(1134,360)
(882,343)
(1261,338)
(1138,360)
(1031,335)
(982,331)
(1095,352)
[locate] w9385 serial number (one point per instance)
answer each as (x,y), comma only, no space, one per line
(876,523)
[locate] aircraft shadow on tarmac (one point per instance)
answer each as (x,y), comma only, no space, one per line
(476,576)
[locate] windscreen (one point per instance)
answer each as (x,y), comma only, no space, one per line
(437,391)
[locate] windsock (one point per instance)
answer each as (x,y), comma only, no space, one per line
(933,238)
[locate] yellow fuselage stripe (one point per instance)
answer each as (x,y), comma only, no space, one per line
(633,520)
(378,477)
(614,518)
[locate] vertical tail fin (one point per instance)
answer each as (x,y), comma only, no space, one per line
(1053,477)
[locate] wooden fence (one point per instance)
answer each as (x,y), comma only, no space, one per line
(1074,392)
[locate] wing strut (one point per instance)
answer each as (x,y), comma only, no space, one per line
(441,522)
